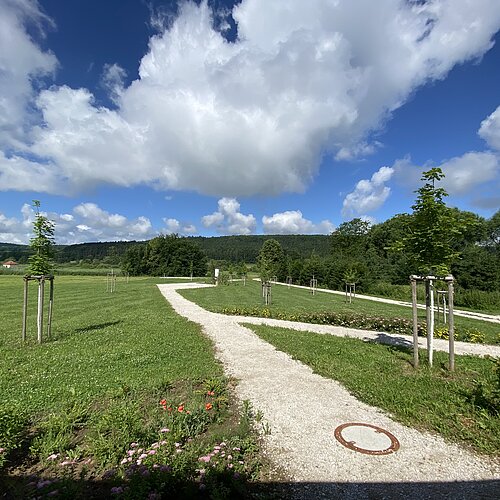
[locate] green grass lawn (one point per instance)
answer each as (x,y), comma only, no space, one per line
(94,387)
(382,376)
(296,300)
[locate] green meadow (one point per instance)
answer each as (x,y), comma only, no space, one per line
(120,370)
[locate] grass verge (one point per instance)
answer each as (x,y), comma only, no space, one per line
(451,404)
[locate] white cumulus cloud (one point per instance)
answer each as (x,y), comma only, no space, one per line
(490,129)
(228,219)
(252,116)
(87,223)
(369,194)
(293,222)
(174,226)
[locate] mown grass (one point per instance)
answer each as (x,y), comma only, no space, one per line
(428,399)
(297,300)
(95,387)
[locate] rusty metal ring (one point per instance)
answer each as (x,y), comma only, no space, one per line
(350,444)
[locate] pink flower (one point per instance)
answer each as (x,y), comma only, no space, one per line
(133,445)
(164,430)
(151,452)
(143,456)
(124,461)
(50,457)
(205,458)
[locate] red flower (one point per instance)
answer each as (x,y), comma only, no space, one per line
(211,393)
(163,402)
(180,409)
(208,406)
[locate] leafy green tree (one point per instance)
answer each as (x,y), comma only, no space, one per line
(350,238)
(166,255)
(42,244)
(433,229)
(271,260)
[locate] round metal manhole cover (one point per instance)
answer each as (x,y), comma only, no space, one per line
(366,438)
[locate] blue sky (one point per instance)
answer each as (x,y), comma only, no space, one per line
(130,118)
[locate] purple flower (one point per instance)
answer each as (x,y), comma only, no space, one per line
(116,490)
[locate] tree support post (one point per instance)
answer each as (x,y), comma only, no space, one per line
(451,326)
(429,317)
(41,288)
(415,321)
(51,303)
(25,308)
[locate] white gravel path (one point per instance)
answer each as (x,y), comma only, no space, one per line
(303,409)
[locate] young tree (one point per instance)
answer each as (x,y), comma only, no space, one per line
(433,228)
(42,244)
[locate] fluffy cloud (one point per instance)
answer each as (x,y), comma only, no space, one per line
(292,222)
(369,194)
(490,129)
(22,64)
(253,116)
(228,219)
(174,226)
(87,223)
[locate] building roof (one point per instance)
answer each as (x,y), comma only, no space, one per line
(10,263)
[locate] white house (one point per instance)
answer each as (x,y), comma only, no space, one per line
(9,264)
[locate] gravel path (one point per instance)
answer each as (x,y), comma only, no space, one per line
(303,409)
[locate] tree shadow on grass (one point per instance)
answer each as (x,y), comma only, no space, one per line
(98,326)
(223,486)
(397,342)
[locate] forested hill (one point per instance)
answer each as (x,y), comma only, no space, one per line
(246,248)
(230,248)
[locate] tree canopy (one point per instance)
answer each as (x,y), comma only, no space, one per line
(42,244)
(165,256)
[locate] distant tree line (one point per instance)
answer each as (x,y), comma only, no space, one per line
(365,254)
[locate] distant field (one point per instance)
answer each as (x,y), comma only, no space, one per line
(296,300)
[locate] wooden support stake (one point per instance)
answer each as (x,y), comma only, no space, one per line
(41,286)
(451,327)
(428,320)
(51,303)
(415,322)
(25,308)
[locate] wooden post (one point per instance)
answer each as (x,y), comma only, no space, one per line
(51,302)
(451,326)
(25,308)
(415,322)
(428,320)
(41,286)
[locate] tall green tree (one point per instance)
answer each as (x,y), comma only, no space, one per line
(42,244)
(271,260)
